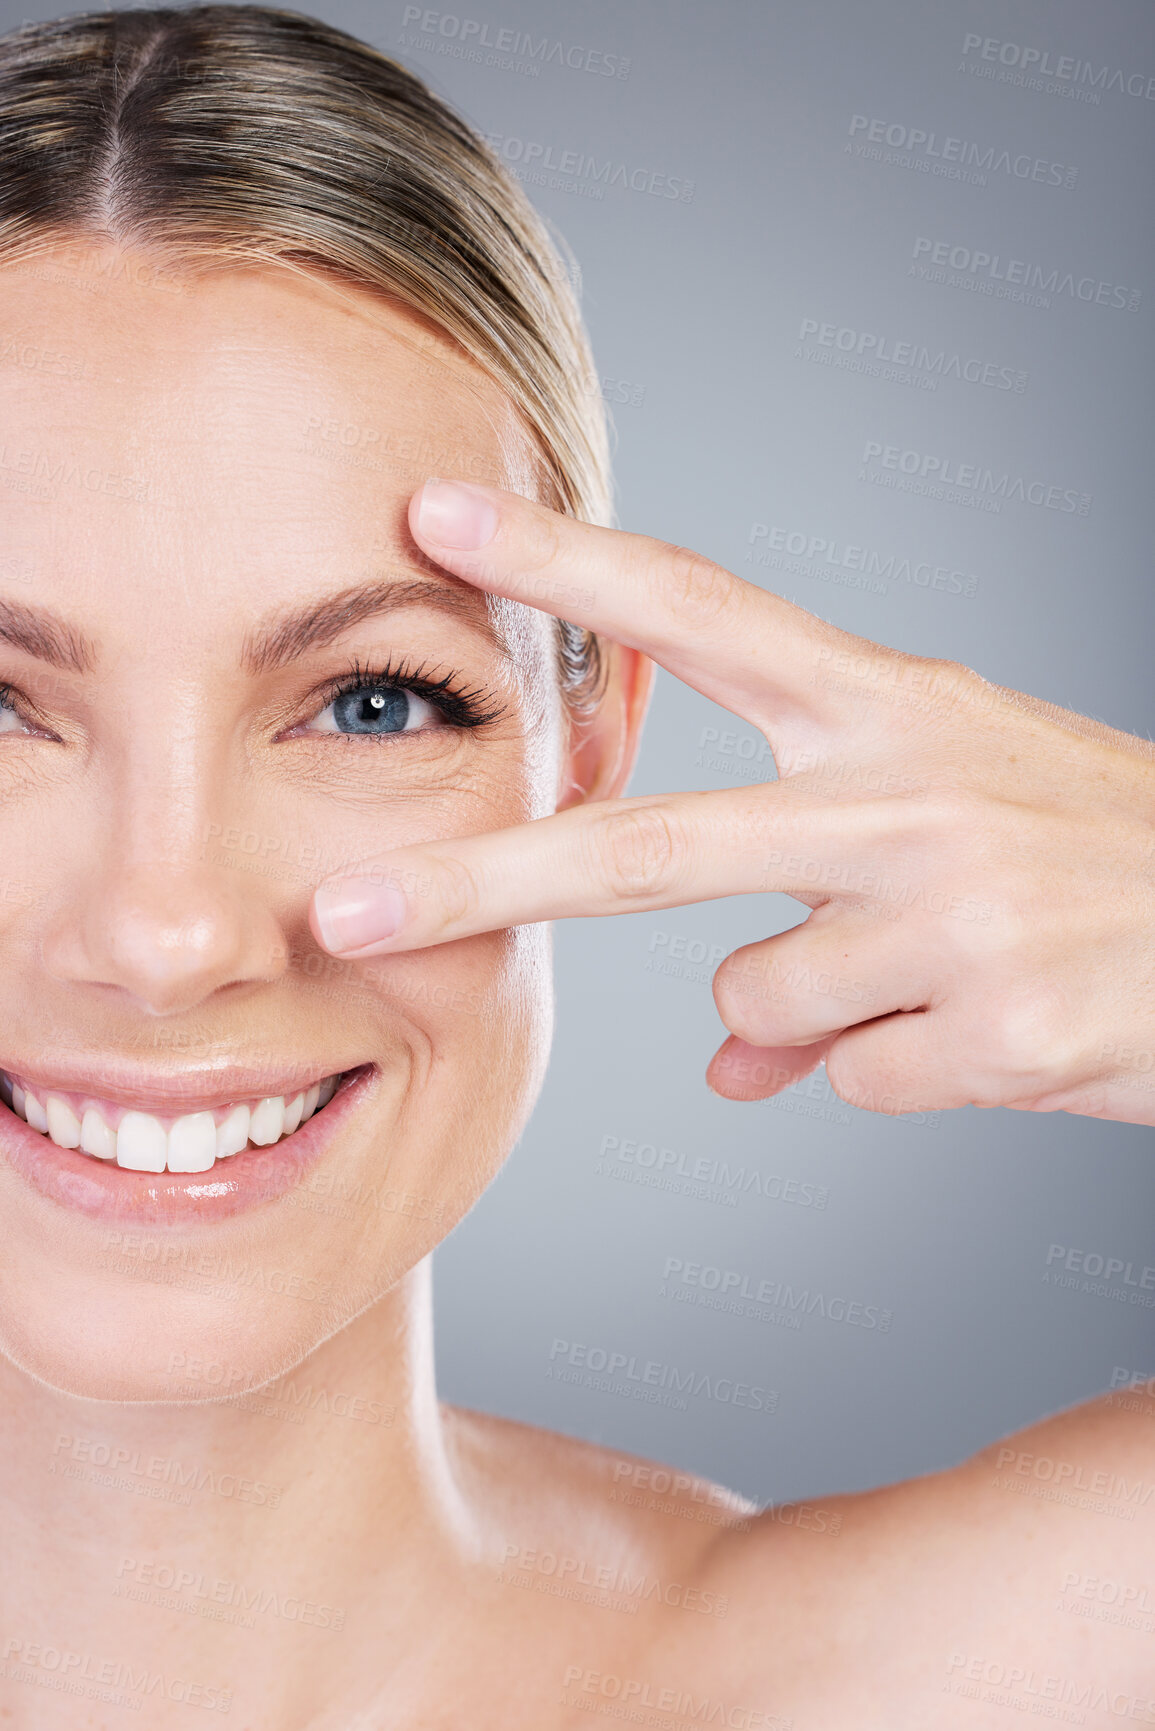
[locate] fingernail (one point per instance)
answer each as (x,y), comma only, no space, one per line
(456,514)
(354,913)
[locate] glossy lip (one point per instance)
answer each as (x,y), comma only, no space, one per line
(191,1091)
(105,1191)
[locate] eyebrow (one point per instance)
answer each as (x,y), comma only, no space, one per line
(41,633)
(286,636)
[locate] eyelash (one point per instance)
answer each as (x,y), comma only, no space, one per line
(11,699)
(461,705)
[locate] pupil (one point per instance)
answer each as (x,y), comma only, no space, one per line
(372,709)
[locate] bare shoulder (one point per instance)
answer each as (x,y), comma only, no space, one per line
(1025,1572)
(1024,1576)
(544,1489)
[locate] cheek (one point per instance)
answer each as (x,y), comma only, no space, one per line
(489,1047)
(468,1024)
(461,1034)
(480,1007)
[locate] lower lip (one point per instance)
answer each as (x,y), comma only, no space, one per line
(106,1191)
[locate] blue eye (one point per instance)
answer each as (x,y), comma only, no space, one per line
(11,720)
(370,701)
(375,709)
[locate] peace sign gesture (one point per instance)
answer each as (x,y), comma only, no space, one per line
(980,865)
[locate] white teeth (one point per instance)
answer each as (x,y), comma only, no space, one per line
(63,1124)
(141,1143)
(95,1136)
(233,1134)
(268,1123)
(192,1143)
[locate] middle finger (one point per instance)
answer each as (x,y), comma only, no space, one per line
(836,969)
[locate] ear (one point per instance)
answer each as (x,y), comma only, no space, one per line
(603,746)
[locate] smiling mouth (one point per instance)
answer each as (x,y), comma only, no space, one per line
(162,1141)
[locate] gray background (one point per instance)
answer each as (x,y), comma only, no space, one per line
(726,419)
(700,303)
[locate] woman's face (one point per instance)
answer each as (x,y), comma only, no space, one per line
(228,672)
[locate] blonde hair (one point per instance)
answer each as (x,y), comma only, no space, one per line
(257,134)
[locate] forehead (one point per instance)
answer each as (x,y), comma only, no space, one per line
(240,434)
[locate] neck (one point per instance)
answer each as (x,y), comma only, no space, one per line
(248,1544)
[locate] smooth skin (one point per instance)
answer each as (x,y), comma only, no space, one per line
(367,1558)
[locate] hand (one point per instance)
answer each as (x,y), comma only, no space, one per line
(980,865)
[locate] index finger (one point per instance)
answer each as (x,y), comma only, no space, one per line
(756,654)
(613,857)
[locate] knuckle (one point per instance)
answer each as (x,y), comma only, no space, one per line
(742,987)
(458,893)
(950,830)
(729,976)
(960,693)
(868,1079)
(1031,1036)
(640,853)
(952,809)
(539,541)
(967,684)
(757,1024)
(844,1074)
(702,590)
(767,997)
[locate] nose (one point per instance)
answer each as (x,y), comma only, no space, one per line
(141,906)
(165,937)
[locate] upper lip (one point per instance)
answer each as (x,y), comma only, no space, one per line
(174,1090)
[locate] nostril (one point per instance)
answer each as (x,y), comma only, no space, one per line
(164,937)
